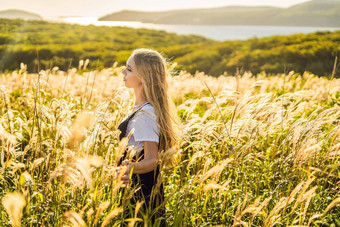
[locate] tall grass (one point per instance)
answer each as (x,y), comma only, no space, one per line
(59,150)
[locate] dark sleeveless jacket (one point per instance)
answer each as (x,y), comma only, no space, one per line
(148,180)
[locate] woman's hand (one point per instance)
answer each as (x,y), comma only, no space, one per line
(125,178)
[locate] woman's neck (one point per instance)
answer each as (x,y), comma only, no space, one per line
(140,100)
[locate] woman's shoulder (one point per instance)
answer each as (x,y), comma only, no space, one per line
(149,108)
(147,111)
(145,123)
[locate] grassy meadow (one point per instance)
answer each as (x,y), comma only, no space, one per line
(59,150)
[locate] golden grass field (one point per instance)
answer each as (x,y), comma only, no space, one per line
(59,150)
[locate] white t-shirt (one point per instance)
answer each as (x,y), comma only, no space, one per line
(145,124)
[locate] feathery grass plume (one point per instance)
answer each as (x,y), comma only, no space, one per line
(258,209)
(116,173)
(36,163)
(231,146)
(63,131)
(238,216)
(303,195)
(13,203)
(215,171)
(292,195)
(334,203)
(167,158)
(81,63)
(111,215)
(194,158)
(78,127)
(206,165)
(77,171)
(100,211)
(16,166)
(23,68)
(309,195)
(271,219)
(253,208)
(297,225)
(87,61)
(334,152)
(8,141)
(307,150)
(73,219)
(212,185)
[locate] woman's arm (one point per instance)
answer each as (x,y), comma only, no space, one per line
(149,162)
(146,165)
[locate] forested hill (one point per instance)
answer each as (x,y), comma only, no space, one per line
(313,13)
(315,52)
(19,14)
(58,44)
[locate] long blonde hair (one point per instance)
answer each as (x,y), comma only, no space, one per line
(152,67)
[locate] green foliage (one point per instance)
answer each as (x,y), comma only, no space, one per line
(49,44)
(43,44)
(312,52)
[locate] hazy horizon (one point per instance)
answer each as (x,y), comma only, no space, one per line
(68,8)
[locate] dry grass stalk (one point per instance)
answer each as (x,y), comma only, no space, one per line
(122,148)
(36,163)
(213,185)
(256,208)
(216,171)
(329,207)
(307,150)
(271,218)
(135,219)
(238,216)
(303,194)
(73,219)
(292,195)
(100,211)
(167,158)
(111,215)
(16,167)
(297,225)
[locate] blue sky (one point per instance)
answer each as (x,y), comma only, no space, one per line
(53,8)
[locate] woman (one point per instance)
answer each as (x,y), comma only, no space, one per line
(153,121)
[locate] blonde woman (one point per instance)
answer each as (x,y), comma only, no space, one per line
(153,120)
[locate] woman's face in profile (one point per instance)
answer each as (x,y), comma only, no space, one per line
(131,76)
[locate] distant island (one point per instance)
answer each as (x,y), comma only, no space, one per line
(316,13)
(19,14)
